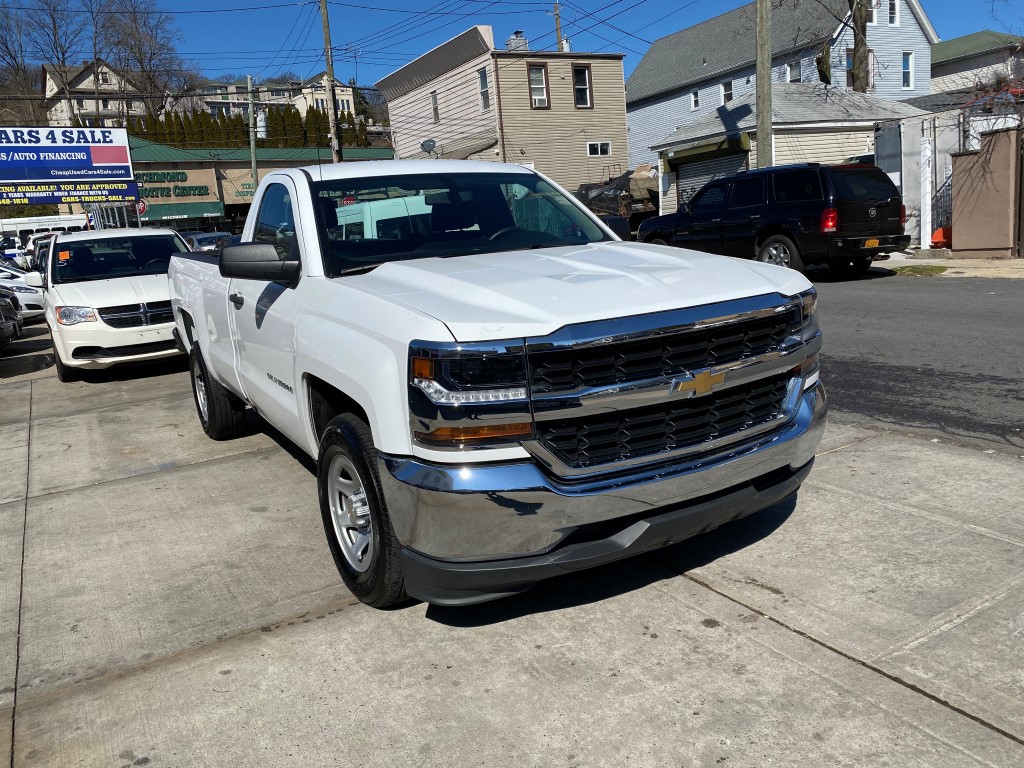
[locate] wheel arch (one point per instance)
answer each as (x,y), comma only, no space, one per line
(325,401)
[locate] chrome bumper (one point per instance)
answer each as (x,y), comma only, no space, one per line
(477,516)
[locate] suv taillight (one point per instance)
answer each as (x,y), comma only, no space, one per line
(903,215)
(829,220)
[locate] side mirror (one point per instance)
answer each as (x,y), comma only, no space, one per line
(258,261)
(618,225)
(34,279)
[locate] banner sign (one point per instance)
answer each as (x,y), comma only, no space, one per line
(68,192)
(64,154)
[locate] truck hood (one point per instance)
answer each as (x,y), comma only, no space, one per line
(516,294)
(113,292)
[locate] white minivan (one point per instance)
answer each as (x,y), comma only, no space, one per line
(106,297)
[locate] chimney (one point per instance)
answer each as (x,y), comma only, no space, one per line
(517,42)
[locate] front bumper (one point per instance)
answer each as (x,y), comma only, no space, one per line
(96,345)
(476,532)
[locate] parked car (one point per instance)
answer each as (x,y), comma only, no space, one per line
(11,252)
(31,299)
(868,159)
(206,241)
(846,216)
(10,318)
(106,298)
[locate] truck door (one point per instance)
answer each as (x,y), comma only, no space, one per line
(263,317)
(744,217)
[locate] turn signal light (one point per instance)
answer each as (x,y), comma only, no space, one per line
(903,215)
(469,435)
(829,220)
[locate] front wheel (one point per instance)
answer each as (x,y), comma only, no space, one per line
(781,251)
(355,516)
(65,373)
(657,241)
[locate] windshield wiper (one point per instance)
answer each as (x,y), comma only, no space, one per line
(358,270)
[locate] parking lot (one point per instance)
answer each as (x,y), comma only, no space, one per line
(169,601)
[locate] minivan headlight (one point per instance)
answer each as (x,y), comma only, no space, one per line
(75,315)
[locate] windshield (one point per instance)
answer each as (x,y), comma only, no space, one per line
(8,242)
(367,222)
(104,258)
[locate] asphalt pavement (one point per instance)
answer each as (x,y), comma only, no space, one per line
(170,601)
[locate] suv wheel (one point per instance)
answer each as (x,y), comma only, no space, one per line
(780,250)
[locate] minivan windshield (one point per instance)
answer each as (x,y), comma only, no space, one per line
(367,222)
(110,257)
(862,184)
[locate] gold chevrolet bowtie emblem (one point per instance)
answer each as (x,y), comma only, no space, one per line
(698,384)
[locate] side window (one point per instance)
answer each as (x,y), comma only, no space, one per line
(747,192)
(794,186)
(710,199)
(276,222)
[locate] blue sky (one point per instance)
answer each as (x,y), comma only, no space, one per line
(374,37)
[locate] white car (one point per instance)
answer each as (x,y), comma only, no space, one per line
(31,298)
(106,297)
(12,252)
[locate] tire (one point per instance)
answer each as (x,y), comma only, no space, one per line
(355,516)
(65,373)
(780,250)
(221,414)
(657,241)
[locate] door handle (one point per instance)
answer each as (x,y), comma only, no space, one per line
(715,221)
(237,300)
(756,216)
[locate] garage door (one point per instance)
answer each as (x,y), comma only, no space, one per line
(690,177)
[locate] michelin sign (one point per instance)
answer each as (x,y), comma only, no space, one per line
(51,165)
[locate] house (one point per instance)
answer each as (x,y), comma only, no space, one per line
(689,75)
(811,123)
(560,112)
(977,61)
(95,92)
(232,98)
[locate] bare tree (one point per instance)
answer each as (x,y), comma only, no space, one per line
(53,33)
(101,38)
(852,14)
(18,75)
(144,47)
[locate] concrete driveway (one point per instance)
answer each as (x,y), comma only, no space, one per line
(170,601)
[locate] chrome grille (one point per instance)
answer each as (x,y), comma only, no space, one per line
(661,355)
(135,315)
(617,435)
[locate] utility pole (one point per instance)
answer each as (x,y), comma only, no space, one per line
(763,95)
(332,107)
(558,26)
(252,134)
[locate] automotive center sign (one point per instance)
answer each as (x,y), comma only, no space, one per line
(56,165)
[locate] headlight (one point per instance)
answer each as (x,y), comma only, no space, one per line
(23,289)
(468,395)
(75,315)
(809,314)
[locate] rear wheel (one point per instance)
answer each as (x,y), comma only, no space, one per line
(65,373)
(356,520)
(781,251)
(221,414)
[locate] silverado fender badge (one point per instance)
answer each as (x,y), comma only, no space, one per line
(695,384)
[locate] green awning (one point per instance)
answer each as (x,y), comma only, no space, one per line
(171,211)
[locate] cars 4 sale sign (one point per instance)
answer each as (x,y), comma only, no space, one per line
(40,155)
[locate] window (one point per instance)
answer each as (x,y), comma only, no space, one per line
(104,78)
(129,106)
(849,68)
(747,193)
(599,148)
(81,103)
(276,224)
(434,108)
(872,4)
(793,186)
(908,70)
(583,91)
(485,91)
(793,72)
(894,13)
(539,94)
(105,103)
(711,198)
(695,100)
(727,92)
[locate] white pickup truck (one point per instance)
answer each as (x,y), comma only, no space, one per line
(496,389)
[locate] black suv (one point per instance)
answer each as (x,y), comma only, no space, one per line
(845,216)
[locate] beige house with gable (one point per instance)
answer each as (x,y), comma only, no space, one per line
(562,113)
